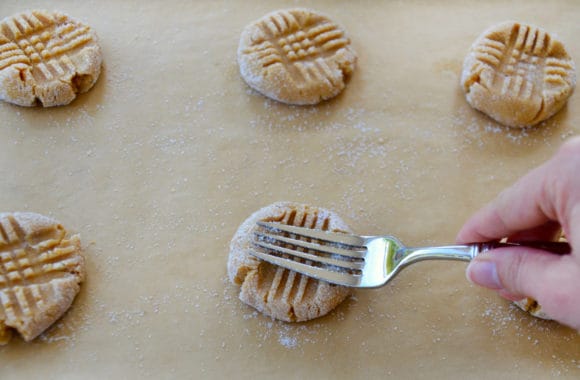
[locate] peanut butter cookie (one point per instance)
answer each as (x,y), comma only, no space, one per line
(296,56)
(40,273)
(278,292)
(518,74)
(46,58)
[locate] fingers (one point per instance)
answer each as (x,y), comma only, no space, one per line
(535,207)
(521,207)
(523,272)
(547,232)
(546,194)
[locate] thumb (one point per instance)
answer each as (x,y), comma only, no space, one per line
(526,272)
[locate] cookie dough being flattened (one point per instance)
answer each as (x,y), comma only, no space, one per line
(278,292)
(518,74)
(532,307)
(296,56)
(46,58)
(40,273)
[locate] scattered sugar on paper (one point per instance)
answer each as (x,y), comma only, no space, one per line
(287,341)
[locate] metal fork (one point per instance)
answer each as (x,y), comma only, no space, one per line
(360,261)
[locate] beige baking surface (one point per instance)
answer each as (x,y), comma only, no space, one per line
(158,165)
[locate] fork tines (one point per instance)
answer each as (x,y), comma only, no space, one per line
(344,239)
(298,247)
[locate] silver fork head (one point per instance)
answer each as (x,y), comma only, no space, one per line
(338,258)
(358,261)
(345,239)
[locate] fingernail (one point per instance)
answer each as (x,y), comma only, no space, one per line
(484,273)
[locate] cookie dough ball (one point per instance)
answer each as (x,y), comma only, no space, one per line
(296,56)
(275,291)
(518,74)
(41,269)
(46,58)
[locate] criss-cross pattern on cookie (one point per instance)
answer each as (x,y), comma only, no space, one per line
(29,264)
(299,44)
(285,284)
(43,42)
(524,62)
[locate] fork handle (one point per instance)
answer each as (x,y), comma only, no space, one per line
(469,251)
(557,247)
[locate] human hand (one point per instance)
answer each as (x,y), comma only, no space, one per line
(536,207)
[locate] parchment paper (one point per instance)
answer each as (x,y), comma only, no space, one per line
(158,165)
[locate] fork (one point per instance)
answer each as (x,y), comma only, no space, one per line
(360,261)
